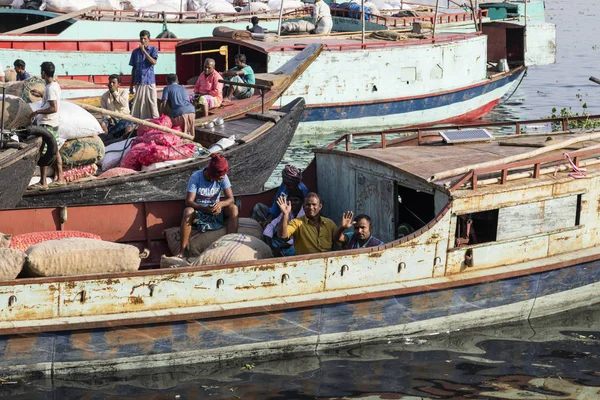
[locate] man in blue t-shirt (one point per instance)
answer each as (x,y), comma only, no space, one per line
(205,209)
(183,111)
(361,237)
(241,73)
(142,61)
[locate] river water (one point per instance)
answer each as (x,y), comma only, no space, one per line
(551,358)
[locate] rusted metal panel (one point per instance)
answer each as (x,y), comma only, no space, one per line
(29,302)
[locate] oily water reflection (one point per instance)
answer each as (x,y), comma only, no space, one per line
(550,358)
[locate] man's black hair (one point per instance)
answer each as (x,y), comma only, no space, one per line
(362,216)
(241,58)
(171,78)
(115,76)
(19,63)
(295,192)
(145,33)
(254,20)
(48,68)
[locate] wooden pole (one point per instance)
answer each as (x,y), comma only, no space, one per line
(362,14)
(518,157)
(595,80)
(138,121)
(473,13)
(280,18)
(50,21)
(435,16)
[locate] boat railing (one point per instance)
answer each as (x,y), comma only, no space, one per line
(378,43)
(519,128)
(394,22)
(190,16)
(262,89)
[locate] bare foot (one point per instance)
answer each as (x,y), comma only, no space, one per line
(39,185)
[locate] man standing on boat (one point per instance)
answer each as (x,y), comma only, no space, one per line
(361,237)
(208,89)
(142,61)
(183,111)
(241,73)
(323,21)
(47,117)
(312,233)
(205,209)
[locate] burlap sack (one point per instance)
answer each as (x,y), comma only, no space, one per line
(176,262)
(10,75)
(200,241)
(16,112)
(79,256)
(233,248)
(11,263)
(82,151)
(23,89)
(4,240)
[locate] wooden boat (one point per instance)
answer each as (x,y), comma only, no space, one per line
(534,254)
(17,165)
(268,88)
(261,142)
(406,83)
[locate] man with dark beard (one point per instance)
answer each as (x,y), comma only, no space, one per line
(361,237)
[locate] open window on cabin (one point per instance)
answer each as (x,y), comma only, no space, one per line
(518,221)
(414,210)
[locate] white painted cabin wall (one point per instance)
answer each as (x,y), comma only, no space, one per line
(350,76)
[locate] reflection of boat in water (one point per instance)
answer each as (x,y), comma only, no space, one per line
(507,236)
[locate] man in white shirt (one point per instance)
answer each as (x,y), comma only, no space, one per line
(47,117)
(323,21)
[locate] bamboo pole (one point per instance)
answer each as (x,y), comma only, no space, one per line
(362,14)
(138,121)
(435,17)
(518,157)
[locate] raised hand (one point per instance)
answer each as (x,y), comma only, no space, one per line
(284,205)
(347,219)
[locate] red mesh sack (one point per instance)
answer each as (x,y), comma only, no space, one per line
(131,160)
(71,174)
(118,171)
(26,240)
(155,153)
(162,139)
(163,120)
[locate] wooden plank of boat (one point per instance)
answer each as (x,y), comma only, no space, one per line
(50,21)
(16,169)
(251,163)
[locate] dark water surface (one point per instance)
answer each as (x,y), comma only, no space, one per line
(551,358)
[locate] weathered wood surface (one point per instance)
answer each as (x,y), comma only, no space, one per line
(16,170)
(250,164)
(49,22)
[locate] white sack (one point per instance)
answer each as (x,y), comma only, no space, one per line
(156,9)
(17,3)
(109,4)
(276,4)
(67,6)
(219,6)
(114,152)
(73,121)
(255,7)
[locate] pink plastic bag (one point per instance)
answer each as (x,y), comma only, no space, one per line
(162,139)
(163,120)
(131,160)
(155,153)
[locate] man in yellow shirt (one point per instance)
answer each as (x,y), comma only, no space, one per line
(312,233)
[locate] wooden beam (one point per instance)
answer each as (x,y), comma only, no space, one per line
(49,22)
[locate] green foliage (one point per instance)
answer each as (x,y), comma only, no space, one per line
(568,113)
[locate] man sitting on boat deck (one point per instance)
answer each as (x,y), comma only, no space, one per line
(323,21)
(255,28)
(291,178)
(208,89)
(312,233)
(183,111)
(278,245)
(205,209)
(47,117)
(361,237)
(115,99)
(20,70)
(241,73)
(142,61)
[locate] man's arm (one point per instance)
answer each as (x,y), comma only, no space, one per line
(216,87)
(163,105)
(227,198)
(121,97)
(286,208)
(48,110)
(132,80)
(190,202)
(149,57)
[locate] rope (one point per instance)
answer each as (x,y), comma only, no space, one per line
(519,84)
(577,172)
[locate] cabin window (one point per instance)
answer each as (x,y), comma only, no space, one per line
(518,221)
(415,209)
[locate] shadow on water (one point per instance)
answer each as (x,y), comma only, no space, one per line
(550,358)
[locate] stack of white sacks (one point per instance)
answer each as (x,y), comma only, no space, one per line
(155,6)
